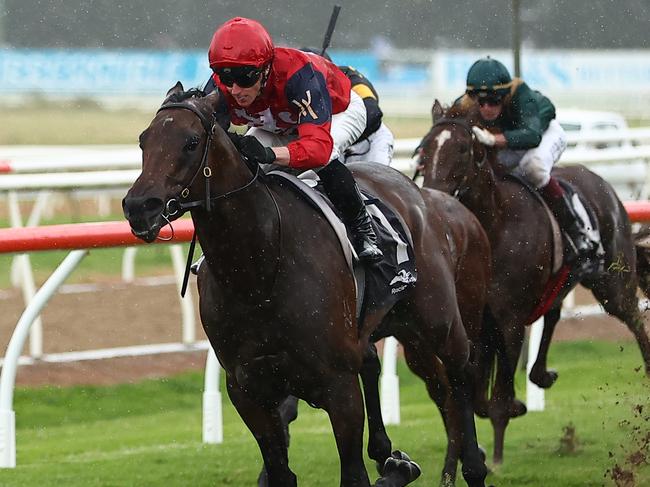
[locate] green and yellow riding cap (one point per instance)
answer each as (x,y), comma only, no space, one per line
(488,78)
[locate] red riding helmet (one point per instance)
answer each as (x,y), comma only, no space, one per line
(240,42)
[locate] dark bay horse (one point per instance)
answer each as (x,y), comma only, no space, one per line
(278,298)
(520,234)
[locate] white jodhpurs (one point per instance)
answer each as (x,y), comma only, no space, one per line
(536,164)
(345,129)
(377,147)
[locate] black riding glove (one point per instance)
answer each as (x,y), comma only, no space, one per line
(235,138)
(253,150)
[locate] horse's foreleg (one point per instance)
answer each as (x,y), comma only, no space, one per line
(539,374)
(454,357)
(288,411)
(503,404)
(266,426)
(379,444)
(430,370)
(344,405)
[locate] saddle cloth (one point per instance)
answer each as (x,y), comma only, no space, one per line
(380,285)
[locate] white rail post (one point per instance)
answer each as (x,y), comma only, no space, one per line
(16,344)
(534,394)
(390,383)
(212,409)
(27,285)
(128,264)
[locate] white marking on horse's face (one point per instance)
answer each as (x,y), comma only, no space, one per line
(442,137)
(168,120)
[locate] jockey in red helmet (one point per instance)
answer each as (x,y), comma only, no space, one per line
(301,112)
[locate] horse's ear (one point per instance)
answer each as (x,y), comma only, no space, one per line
(177,88)
(436,111)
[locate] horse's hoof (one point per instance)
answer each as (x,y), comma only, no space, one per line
(544,380)
(517,408)
(397,455)
(399,470)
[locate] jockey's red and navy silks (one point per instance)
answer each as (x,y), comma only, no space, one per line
(300,96)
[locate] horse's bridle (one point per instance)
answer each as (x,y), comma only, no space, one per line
(175,207)
(460,191)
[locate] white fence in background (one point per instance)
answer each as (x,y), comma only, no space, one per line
(73,237)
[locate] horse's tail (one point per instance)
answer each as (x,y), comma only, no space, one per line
(642,248)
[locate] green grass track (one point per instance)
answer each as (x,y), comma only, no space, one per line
(149,434)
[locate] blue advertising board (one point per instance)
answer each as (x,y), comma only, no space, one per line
(99,72)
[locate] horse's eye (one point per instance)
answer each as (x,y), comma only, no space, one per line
(192,144)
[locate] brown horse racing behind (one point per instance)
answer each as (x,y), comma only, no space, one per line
(521,238)
(278,299)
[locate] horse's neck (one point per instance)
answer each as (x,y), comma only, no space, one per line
(240,235)
(484,199)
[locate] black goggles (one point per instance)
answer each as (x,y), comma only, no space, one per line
(487,98)
(244,76)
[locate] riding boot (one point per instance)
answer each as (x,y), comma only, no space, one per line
(581,245)
(341,189)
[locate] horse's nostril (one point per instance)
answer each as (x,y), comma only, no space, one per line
(153,205)
(143,206)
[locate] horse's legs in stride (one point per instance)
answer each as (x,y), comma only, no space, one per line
(288,410)
(379,445)
(474,469)
(266,426)
(344,405)
(538,373)
(430,370)
(503,404)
